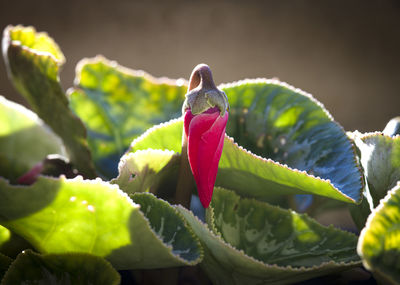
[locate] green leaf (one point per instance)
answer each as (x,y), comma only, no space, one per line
(242,171)
(174,232)
(380,159)
(5,235)
(33,61)
(118,104)
(61,269)
(10,243)
(254,176)
(148,170)
(165,136)
(379,242)
(252,242)
(5,262)
(92,216)
(24,140)
(277,121)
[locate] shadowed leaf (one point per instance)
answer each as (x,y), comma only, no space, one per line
(5,262)
(60,269)
(380,159)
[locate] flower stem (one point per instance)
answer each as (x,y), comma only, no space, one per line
(185,186)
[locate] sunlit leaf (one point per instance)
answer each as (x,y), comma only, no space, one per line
(24,140)
(242,171)
(33,61)
(148,170)
(379,243)
(60,269)
(92,216)
(118,104)
(10,243)
(251,242)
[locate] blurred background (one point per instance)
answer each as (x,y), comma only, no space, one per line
(345,53)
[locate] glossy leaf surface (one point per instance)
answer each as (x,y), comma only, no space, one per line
(242,171)
(118,104)
(379,243)
(33,62)
(92,216)
(287,125)
(60,269)
(20,128)
(251,242)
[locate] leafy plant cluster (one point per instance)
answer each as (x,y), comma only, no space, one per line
(115,138)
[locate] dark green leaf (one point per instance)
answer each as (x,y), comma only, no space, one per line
(92,216)
(118,104)
(277,121)
(31,268)
(5,262)
(33,61)
(24,140)
(173,232)
(251,242)
(379,243)
(10,243)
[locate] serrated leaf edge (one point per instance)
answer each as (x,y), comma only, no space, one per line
(119,192)
(371,217)
(367,135)
(265,265)
(281,210)
(105,262)
(283,84)
(187,226)
(126,71)
(130,155)
(152,129)
(135,206)
(285,166)
(278,83)
(247,152)
(7,42)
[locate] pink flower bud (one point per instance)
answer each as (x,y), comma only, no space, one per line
(205,113)
(205,135)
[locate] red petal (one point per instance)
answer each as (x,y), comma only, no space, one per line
(186,121)
(205,142)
